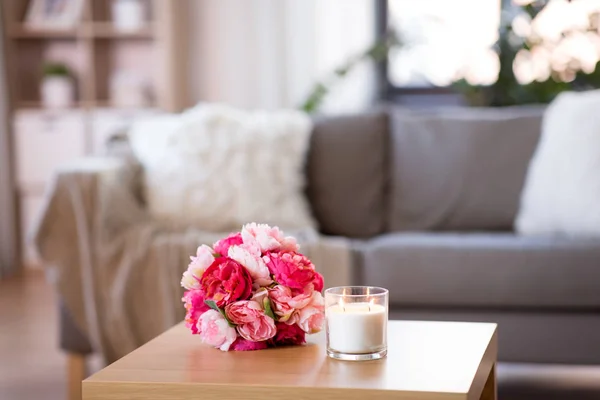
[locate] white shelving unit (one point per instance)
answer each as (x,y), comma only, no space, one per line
(93,49)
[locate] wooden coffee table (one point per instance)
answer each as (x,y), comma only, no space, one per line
(426,360)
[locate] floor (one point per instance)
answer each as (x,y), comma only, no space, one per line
(31,366)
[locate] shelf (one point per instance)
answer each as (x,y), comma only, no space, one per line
(25,32)
(90,30)
(83,105)
(108,30)
(107,104)
(37,105)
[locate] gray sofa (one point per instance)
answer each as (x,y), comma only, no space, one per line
(428,199)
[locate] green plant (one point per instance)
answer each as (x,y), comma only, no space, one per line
(378,52)
(55,69)
(507,90)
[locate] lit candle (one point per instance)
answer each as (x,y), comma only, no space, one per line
(357,324)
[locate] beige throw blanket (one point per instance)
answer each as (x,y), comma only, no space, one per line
(117,270)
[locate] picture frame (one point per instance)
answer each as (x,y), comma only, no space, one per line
(53,14)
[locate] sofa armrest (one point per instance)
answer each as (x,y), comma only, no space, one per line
(71,339)
(80,193)
(88,202)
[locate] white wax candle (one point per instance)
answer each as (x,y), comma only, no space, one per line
(356,328)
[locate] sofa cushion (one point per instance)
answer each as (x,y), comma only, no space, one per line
(347,173)
(562,190)
(460,170)
(483,270)
(215,167)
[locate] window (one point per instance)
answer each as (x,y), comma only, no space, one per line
(443,41)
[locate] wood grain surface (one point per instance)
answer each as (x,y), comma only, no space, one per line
(426,360)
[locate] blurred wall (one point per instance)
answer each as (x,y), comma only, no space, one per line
(8,240)
(269,53)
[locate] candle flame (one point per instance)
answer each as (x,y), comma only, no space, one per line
(371,304)
(341,304)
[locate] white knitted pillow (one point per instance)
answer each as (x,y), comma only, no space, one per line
(215,167)
(562,188)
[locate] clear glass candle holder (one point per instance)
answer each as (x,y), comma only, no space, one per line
(356,322)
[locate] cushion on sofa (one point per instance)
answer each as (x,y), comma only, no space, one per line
(562,190)
(460,170)
(483,270)
(347,173)
(216,167)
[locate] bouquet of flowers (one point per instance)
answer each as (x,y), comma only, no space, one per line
(252,290)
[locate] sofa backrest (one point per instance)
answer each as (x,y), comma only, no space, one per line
(457,169)
(347,173)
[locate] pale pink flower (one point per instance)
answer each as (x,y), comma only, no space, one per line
(252,322)
(244,311)
(259,330)
(302,300)
(285,306)
(203,259)
(215,330)
(311,317)
(190,281)
(268,238)
(260,296)
(249,256)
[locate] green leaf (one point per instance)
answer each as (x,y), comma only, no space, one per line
(268,310)
(55,69)
(213,305)
(378,52)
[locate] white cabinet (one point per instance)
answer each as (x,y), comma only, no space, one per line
(30,208)
(108,122)
(43,141)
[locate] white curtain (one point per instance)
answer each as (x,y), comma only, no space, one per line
(8,242)
(269,53)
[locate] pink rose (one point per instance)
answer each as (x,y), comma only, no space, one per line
(267,238)
(301,300)
(289,308)
(249,257)
(226,281)
(259,330)
(223,245)
(242,344)
(288,335)
(260,296)
(252,322)
(243,312)
(194,305)
(285,304)
(215,330)
(204,258)
(311,317)
(294,271)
